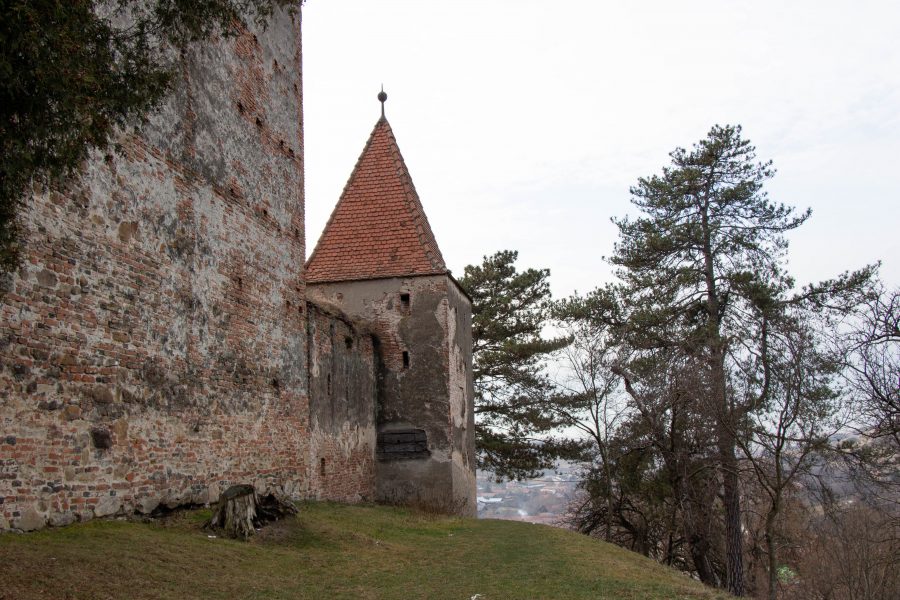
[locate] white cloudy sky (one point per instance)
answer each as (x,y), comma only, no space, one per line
(524,123)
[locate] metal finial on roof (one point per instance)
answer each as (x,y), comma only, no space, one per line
(381,98)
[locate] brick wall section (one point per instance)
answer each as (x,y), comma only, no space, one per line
(342,380)
(153,345)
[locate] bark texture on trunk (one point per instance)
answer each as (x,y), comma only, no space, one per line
(241,511)
(731,499)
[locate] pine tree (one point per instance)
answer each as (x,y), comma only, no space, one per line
(699,265)
(512,393)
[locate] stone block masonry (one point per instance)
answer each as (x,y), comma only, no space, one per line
(153,346)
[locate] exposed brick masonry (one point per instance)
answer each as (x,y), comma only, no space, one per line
(153,347)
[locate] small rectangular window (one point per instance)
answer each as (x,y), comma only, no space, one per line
(402,443)
(404,301)
(322,467)
(405,359)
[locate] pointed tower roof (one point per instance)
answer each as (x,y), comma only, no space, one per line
(378,228)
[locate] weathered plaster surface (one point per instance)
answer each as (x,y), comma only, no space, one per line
(462,393)
(342,408)
(433,393)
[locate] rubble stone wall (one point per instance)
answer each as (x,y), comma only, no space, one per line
(153,346)
(342,382)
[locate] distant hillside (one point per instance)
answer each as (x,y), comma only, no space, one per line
(331,551)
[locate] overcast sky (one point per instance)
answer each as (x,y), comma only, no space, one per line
(524,123)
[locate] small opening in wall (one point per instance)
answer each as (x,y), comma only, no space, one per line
(328,384)
(240,108)
(258,122)
(405,359)
(348,341)
(404,301)
(322,467)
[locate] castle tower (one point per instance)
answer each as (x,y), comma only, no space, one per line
(378,261)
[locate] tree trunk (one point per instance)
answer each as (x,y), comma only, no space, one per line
(734,546)
(772,561)
(725,432)
(236,513)
(697,542)
(771,547)
(240,511)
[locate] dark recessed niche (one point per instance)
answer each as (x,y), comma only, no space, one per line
(404,301)
(101,438)
(348,342)
(402,443)
(322,467)
(405,359)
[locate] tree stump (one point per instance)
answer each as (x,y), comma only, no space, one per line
(241,510)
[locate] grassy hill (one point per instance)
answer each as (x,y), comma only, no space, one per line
(330,551)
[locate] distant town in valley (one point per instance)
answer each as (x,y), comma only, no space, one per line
(544,500)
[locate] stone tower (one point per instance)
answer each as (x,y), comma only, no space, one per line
(378,261)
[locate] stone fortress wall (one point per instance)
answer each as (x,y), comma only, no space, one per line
(160,343)
(155,345)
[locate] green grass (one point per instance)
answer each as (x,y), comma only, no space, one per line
(330,551)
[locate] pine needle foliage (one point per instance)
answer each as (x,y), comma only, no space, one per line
(513,396)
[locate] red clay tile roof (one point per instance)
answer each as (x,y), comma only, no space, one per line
(378,228)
